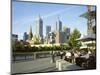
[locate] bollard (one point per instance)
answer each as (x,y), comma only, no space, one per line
(61,65)
(57,63)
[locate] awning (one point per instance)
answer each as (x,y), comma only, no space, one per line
(89,37)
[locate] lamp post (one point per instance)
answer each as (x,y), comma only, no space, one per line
(52,41)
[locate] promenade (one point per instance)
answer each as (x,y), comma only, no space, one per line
(39,65)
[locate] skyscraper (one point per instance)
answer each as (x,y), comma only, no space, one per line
(61,37)
(30,33)
(39,26)
(58,25)
(67,30)
(25,36)
(48,29)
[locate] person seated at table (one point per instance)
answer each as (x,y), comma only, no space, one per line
(79,53)
(89,52)
(76,55)
(68,56)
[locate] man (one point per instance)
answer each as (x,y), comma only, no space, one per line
(68,56)
(61,54)
(75,56)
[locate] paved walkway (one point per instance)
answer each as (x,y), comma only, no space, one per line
(32,66)
(39,65)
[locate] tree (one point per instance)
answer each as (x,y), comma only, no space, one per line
(36,39)
(20,46)
(72,42)
(17,45)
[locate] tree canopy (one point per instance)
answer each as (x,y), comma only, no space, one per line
(72,42)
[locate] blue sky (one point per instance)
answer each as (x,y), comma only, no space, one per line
(24,14)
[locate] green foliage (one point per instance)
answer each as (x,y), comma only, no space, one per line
(36,39)
(20,46)
(65,47)
(17,46)
(72,42)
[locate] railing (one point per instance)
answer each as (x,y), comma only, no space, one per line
(30,55)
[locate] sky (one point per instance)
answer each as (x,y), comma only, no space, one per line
(25,13)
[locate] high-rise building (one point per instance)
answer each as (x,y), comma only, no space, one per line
(47,38)
(30,33)
(67,30)
(58,25)
(61,37)
(25,36)
(58,37)
(39,26)
(48,29)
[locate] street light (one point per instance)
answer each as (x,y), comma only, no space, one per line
(52,41)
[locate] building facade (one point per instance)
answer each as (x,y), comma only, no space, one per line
(39,26)
(67,32)
(58,25)
(61,37)
(30,33)
(25,36)
(48,29)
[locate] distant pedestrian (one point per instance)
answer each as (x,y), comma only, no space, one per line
(61,55)
(72,57)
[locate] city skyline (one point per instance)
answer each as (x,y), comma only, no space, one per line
(24,14)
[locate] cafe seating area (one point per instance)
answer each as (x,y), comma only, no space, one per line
(86,63)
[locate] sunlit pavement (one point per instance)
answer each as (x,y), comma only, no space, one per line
(39,65)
